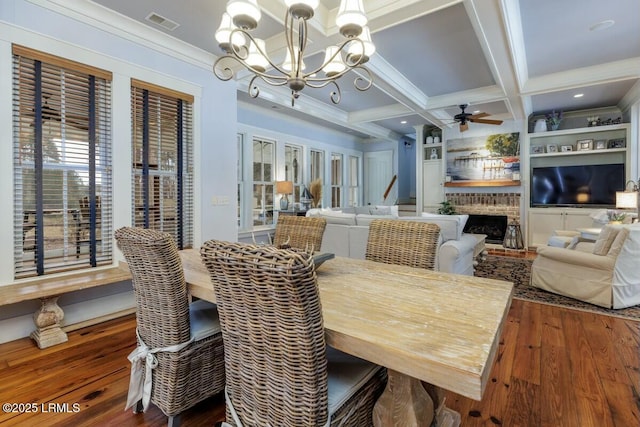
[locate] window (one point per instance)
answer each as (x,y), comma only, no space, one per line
(317,165)
(263,179)
(62,164)
(336,180)
(162,147)
(354,173)
(292,169)
(240,177)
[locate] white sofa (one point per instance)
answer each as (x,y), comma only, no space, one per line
(604,272)
(347,232)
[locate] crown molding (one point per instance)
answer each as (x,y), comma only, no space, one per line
(119,25)
(630,98)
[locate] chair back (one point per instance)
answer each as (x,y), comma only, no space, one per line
(299,232)
(162,305)
(411,243)
(273,334)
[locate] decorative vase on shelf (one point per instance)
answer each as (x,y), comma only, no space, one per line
(555,126)
(436,139)
(429,140)
(540,126)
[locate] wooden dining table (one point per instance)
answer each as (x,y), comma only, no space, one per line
(425,326)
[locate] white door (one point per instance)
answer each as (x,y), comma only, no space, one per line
(378,171)
(432,188)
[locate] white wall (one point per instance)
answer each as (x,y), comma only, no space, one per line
(76,38)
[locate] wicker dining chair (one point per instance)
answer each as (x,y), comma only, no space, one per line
(410,243)
(183,340)
(278,369)
(299,232)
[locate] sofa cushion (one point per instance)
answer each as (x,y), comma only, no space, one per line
(605,239)
(451,226)
(365,219)
(333,217)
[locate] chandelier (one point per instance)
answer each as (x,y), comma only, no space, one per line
(242,16)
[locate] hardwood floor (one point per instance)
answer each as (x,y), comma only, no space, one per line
(555,367)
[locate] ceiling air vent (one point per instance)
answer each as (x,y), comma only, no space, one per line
(165,23)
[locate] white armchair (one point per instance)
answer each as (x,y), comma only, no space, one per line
(604,273)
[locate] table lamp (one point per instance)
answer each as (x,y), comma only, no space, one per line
(629,199)
(284,188)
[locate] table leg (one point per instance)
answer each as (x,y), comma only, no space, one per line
(404,402)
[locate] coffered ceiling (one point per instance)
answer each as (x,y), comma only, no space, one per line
(509,58)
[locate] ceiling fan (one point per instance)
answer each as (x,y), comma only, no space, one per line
(464,118)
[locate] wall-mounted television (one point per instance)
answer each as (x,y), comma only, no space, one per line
(579,186)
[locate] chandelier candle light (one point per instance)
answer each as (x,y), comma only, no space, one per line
(242,16)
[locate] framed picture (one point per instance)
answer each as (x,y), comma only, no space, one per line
(600,144)
(537,149)
(552,148)
(584,144)
(566,148)
(483,161)
(617,143)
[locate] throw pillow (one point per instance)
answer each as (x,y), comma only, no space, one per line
(380,210)
(461,221)
(616,246)
(384,210)
(574,242)
(605,239)
(339,218)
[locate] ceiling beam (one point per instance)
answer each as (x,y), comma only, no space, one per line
(624,69)
(320,110)
(492,33)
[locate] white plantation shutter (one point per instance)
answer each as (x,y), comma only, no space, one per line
(62,158)
(162,123)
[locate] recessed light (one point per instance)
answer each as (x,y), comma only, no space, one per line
(404,122)
(602,25)
(476,111)
(578,95)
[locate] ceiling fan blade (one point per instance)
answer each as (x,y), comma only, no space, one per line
(479,115)
(487,121)
(463,127)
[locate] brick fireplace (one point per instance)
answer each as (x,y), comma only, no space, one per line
(488,204)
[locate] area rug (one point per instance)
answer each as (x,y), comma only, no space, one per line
(518,271)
